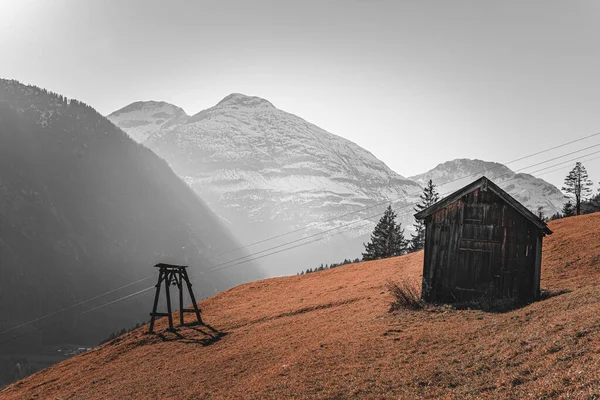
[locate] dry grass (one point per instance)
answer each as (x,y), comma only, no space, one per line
(330,336)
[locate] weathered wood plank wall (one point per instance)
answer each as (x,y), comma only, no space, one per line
(479,245)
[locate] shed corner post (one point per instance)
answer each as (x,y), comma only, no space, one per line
(537,274)
(426,285)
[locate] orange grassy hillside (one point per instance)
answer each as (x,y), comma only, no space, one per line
(329,335)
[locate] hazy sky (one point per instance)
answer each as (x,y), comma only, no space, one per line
(415,82)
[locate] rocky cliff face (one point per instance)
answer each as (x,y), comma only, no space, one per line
(532,192)
(83,210)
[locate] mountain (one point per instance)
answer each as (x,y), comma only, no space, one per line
(532,192)
(330,335)
(268,172)
(85,210)
(143,119)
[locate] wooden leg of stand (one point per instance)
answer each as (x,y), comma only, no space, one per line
(153,314)
(180,286)
(167,283)
(189,286)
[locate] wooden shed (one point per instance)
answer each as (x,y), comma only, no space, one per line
(480,241)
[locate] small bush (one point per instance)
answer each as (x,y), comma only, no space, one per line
(406,294)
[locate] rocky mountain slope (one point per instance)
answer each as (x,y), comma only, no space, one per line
(329,335)
(84,210)
(266,172)
(532,192)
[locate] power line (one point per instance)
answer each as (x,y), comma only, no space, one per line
(298,245)
(564,155)
(566,162)
(117,300)
(74,305)
(553,148)
(275,247)
(128,297)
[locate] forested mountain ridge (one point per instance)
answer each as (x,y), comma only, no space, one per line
(83,210)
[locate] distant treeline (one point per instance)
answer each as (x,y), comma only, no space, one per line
(324,267)
(587,207)
(44,96)
(123,331)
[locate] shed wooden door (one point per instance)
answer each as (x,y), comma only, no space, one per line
(479,249)
(475,271)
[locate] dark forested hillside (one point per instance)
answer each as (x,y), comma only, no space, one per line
(83,210)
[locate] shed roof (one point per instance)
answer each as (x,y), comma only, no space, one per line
(484,183)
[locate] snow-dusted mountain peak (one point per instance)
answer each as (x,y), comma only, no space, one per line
(532,192)
(468,161)
(241,100)
(266,171)
(149,105)
(144,118)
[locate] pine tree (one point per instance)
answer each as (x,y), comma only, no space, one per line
(387,239)
(429,197)
(578,184)
(567,209)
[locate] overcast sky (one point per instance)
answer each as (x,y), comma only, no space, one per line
(415,82)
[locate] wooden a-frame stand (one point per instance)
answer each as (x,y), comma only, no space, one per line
(174,275)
